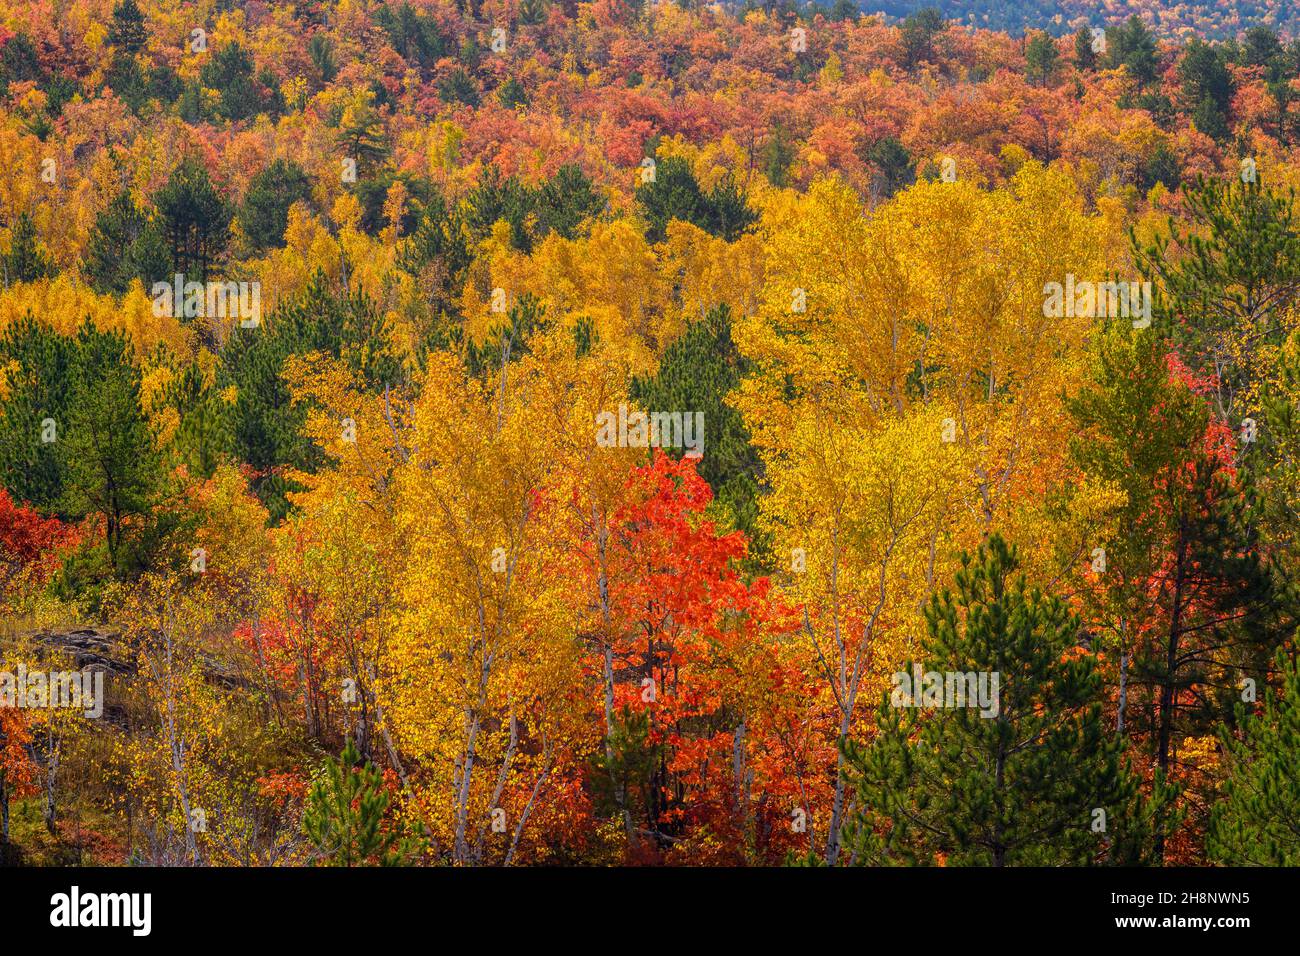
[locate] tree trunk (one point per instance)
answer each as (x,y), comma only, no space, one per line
(837,808)
(602,537)
(528,809)
(741,775)
(4,813)
(1123,692)
(51,771)
(999,850)
(460,848)
(1167,696)
(1123,683)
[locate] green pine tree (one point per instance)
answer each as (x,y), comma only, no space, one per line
(364,140)
(1041,58)
(728,214)
(1085,58)
(1207,88)
(458,87)
(1274,464)
(229,71)
(270,193)
(24,261)
(917,35)
(37,361)
(627,775)
(778,153)
(1223,297)
(844,10)
(1263,48)
(698,372)
(125,245)
(195,220)
(567,200)
(439,253)
(673,194)
(203,438)
(20,62)
(416,36)
(532,12)
(126,79)
(110,460)
(1256,819)
(372,193)
(266,427)
(506,341)
(494,199)
(1132,45)
(1033,779)
(512,94)
(321,50)
(893,166)
(126,31)
(676,194)
(1188,598)
(344,816)
(1160,166)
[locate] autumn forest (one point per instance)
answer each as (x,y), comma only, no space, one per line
(648,433)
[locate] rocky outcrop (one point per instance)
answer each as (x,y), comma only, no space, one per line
(96,648)
(101,648)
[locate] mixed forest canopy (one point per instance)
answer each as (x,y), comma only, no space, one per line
(525,432)
(1206,19)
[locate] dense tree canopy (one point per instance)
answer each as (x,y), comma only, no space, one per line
(583,417)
